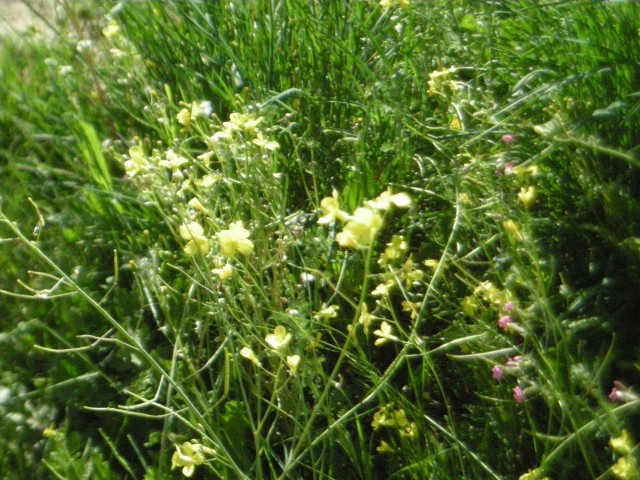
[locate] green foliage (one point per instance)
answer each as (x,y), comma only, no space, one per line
(321,239)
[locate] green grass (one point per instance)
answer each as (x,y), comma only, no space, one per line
(406,178)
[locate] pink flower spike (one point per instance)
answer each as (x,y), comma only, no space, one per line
(620,393)
(504,321)
(508,307)
(513,361)
(508,138)
(497,373)
(518,395)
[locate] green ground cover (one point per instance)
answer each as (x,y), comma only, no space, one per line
(321,239)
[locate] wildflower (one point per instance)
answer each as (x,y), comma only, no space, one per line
(242,121)
(188,456)
(621,393)
(525,172)
(247,353)
(365,318)
(411,307)
(224,272)
(440,78)
(622,444)
(194,111)
(196,204)
(234,240)
(205,158)
(382,290)
(173,160)
(293,361)
(497,373)
(533,474)
(382,418)
(137,162)
(387,198)
(527,196)
(469,305)
(507,139)
(508,307)
(504,321)
(196,241)
(512,229)
(384,447)
(361,229)
(111,30)
(518,394)
(279,338)
(394,250)
(387,4)
(331,210)
(208,180)
(385,332)
(328,313)
(409,431)
(265,143)
(625,469)
(514,362)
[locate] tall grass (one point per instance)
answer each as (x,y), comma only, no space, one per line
(322,239)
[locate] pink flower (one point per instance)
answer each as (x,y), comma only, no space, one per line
(497,373)
(518,395)
(513,361)
(508,307)
(620,393)
(508,138)
(504,321)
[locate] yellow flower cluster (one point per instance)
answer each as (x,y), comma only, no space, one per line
(189,455)
(362,227)
(394,418)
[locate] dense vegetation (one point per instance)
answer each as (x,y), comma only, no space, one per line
(322,239)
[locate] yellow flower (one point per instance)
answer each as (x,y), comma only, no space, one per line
(279,338)
(197,242)
(331,210)
(236,239)
(394,250)
(111,30)
(387,198)
(622,444)
(527,196)
(361,229)
(384,447)
(247,353)
(188,456)
(224,272)
(533,474)
(242,121)
(196,204)
(382,290)
(293,361)
(469,305)
(512,229)
(385,333)
(137,162)
(265,143)
(184,117)
(365,318)
(173,160)
(328,312)
(625,469)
